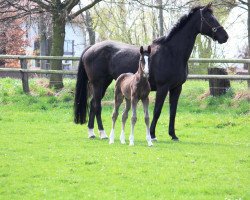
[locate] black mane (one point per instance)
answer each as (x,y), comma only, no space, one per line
(179,25)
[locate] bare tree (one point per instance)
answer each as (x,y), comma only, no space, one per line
(60,11)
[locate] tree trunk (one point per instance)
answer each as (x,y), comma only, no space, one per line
(42,34)
(58,36)
(248,28)
(161,18)
(218,86)
(90,29)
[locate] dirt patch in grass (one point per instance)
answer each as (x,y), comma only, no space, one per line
(242,95)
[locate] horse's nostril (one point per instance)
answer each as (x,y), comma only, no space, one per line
(226,37)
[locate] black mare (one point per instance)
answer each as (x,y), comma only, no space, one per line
(105,61)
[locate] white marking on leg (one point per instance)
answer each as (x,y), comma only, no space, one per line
(145,103)
(112,136)
(133,121)
(91,133)
(103,134)
(148,138)
(124,119)
(131,139)
(122,137)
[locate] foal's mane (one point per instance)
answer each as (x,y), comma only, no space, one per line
(179,25)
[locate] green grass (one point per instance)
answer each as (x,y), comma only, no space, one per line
(44,155)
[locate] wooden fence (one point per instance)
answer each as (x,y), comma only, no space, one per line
(24,71)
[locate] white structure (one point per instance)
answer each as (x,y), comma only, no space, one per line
(74,43)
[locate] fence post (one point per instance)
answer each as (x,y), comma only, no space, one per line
(218,87)
(25,76)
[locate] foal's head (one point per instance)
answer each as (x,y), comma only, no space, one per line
(144,61)
(210,26)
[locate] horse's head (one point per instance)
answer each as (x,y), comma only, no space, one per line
(144,61)
(210,26)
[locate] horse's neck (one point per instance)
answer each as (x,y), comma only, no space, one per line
(183,41)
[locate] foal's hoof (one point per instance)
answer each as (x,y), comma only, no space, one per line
(154,139)
(123,142)
(111,142)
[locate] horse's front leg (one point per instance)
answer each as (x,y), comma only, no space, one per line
(145,103)
(133,120)
(161,94)
(124,119)
(173,100)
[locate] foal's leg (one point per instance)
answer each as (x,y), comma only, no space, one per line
(118,101)
(145,103)
(133,121)
(173,100)
(161,94)
(124,119)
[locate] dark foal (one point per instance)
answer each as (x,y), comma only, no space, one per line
(133,87)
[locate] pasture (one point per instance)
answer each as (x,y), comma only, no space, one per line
(44,155)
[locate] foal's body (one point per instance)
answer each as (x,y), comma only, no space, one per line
(132,87)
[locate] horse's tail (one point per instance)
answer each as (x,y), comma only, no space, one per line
(81,93)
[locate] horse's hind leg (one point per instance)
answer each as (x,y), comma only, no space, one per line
(145,103)
(133,121)
(118,101)
(91,120)
(124,119)
(98,93)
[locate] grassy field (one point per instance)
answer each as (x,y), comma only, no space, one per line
(44,155)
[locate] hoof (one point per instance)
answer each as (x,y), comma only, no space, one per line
(103,135)
(154,139)
(131,144)
(123,142)
(150,144)
(111,142)
(91,133)
(176,139)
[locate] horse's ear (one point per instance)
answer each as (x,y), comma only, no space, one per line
(141,50)
(208,6)
(149,49)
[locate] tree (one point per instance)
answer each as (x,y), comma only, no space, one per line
(12,41)
(245,5)
(60,11)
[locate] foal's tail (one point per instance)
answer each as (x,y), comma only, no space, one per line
(81,93)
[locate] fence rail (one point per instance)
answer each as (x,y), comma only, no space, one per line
(24,71)
(191,60)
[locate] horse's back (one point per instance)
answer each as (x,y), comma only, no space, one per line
(125,77)
(110,59)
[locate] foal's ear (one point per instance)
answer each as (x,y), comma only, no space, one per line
(149,49)
(141,50)
(208,6)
